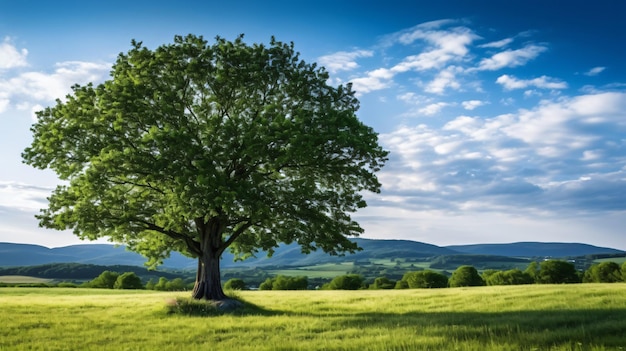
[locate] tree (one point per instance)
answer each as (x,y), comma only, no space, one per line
(465,276)
(383,283)
(557,272)
(345,282)
(106,280)
(200,148)
(425,280)
(623,269)
(604,272)
(235,284)
(533,271)
(510,277)
(128,280)
(283,282)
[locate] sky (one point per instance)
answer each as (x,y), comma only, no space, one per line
(505,120)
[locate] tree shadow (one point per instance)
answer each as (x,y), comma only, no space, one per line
(580,328)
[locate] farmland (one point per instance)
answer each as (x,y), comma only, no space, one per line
(536,317)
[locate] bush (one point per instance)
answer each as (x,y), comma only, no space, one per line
(235,284)
(425,280)
(465,276)
(605,272)
(510,277)
(283,282)
(128,280)
(383,283)
(106,280)
(557,272)
(67,285)
(345,282)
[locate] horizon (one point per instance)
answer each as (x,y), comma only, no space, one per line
(391,239)
(505,121)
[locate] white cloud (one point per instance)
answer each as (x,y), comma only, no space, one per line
(563,156)
(497,44)
(444,79)
(433,109)
(511,58)
(544,82)
(343,60)
(10,56)
(595,71)
(472,104)
(28,88)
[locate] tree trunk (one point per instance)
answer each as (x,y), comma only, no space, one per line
(208,278)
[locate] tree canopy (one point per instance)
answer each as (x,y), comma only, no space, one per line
(198,147)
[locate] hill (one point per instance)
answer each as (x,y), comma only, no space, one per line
(535,249)
(12,255)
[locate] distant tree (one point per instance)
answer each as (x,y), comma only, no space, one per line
(150,285)
(488,273)
(623,269)
(235,284)
(383,283)
(604,272)
(266,285)
(345,282)
(106,280)
(282,282)
(161,285)
(465,276)
(128,280)
(557,272)
(199,148)
(510,277)
(425,280)
(533,271)
(401,284)
(176,284)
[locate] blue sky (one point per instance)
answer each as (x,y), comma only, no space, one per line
(505,120)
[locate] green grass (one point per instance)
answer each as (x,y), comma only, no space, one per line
(537,317)
(20,279)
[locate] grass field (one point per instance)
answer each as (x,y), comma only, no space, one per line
(538,317)
(20,279)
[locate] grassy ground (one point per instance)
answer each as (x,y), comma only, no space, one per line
(20,279)
(538,317)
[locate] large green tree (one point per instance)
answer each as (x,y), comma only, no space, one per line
(198,147)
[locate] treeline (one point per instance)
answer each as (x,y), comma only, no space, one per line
(80,271)
(546,272)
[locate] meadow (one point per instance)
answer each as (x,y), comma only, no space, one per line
(537,317)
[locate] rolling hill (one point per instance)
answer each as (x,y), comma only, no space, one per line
(288,255)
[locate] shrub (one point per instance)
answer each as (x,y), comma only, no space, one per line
(235,284)
(425,280)
(345,282)
(557,272)
(283,282)
(128,280)
(383,283)
(605,272)
(465,276)
(106,280)
(510,277)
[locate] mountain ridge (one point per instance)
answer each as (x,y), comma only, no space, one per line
(16,254)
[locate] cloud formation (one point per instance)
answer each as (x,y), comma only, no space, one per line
(543,82)
(540,161)
(27,88)
(10,56)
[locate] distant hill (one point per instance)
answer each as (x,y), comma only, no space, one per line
(534,249)
(12,255)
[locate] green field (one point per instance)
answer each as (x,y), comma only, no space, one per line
(20,279)
(537,317)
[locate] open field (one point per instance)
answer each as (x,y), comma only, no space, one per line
(20,279)
(538,317)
